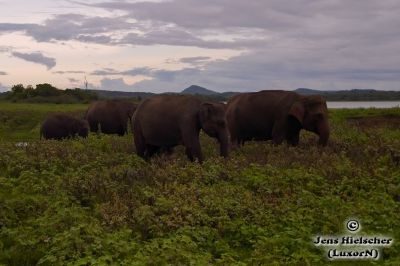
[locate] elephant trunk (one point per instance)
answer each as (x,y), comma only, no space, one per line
(223,138)
(323,132)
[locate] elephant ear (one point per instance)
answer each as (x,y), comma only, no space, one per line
(297,111)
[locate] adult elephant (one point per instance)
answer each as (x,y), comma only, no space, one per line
(165,121)
(60,126)
(276,115)
(111,115)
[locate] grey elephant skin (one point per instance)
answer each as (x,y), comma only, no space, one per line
(277,116)
(165,121)
(60,126)
(110,116)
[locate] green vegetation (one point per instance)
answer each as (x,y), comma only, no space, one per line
(94,202)
(21,122)
(46,93)
(361,95)
(344,95)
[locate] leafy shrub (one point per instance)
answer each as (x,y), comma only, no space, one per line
(94,202)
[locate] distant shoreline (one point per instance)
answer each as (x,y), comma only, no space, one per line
(362,104)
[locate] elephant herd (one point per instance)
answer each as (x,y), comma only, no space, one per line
(162,122)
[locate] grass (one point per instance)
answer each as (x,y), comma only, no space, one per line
(21,122)
(94,202)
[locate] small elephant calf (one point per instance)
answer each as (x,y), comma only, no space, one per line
(60,126)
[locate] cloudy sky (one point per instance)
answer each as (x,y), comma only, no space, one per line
(224,45)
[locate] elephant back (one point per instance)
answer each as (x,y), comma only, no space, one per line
(110,116)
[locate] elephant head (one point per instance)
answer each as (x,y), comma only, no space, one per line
(81,127)
(213,122)
(127,109)
(311,113)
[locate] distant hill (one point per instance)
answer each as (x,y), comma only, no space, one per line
(306,91)
(338,95)
(123,94)
(194,89)
(228,94)
(353,95)
(47,93)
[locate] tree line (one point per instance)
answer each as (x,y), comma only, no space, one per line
(47,93)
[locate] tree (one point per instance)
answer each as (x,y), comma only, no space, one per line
(47,90)
(19,88)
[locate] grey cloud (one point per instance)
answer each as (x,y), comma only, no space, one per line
(195,60)
(115,85)
(251,72)
(3,88)
(99,39)
(72,80)
(161,80)
(73,27)
(36,57)
(301,21)
(212,14)
(118,31)
(320,44)
(5,49)
(78,27)
(105,72)
(179,37)
(162,74)
(265,14)
(286,44)
(11,27)
(139,71)
(69,72)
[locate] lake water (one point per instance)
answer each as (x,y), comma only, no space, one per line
(352,105)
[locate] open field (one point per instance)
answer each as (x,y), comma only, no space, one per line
(19,121)
(94,202)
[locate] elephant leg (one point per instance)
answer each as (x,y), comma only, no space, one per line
(189,153)
(193,151)
(190,137)
(279,132)
(235,144)
(196,150)
(121,131)
(139,141)
(192,145)
(293,139)
(293,133)
(234,138)
(140,148)
(94,127)
(168,150)
(241,142)
(237,138)
(151,150)
(278,138)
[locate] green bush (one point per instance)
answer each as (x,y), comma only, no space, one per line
(94,202)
